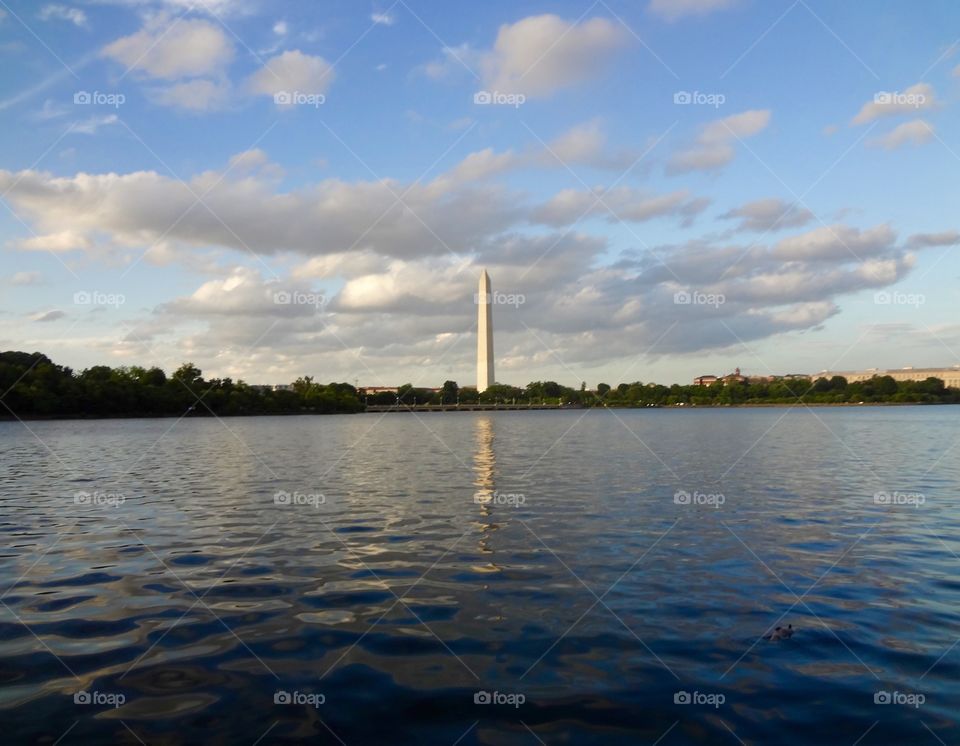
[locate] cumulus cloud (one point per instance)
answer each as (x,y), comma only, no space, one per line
(397,280)
(769,214)
(58,242)
(836,241)
(586,144)
(615,205)
(64,13)
(917,132)
(892,103)
(136,209)
(454,212)
(293,71)
(539,55)
(405,315)
(672,10)
(714,146)
(926,240)
(174,49)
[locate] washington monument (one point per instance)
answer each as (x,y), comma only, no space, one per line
(484,334)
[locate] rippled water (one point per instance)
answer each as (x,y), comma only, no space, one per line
(550,557)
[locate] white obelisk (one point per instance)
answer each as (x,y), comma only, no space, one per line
(484,334)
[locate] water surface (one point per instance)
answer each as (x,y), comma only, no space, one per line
(594,569)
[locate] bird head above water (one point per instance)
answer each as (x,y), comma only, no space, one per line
(780,633)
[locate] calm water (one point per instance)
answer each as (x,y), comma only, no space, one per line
(551,558)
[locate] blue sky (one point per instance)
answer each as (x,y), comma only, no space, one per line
(278,189)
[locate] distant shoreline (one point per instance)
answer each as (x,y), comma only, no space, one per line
(437,410)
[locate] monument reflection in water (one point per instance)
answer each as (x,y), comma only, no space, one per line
(484,467)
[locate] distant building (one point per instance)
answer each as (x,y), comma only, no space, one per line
(738,377)
(283,387)
(366,390)
(734,377)
(949,376)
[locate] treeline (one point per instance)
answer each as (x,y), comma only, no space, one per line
(31,385)
(35,386)
(836,390)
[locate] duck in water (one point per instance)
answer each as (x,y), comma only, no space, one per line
(780,633)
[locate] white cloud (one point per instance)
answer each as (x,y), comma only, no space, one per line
(540,55)
(768,215)
(586,144)
(891,103)
(174,49)
(293,71)
(619,204)
(400,298)
(943,238)
(585,313)
(199,94)
(64,13)
(672,10)
(714,146)
(21,279)
(383,19)
(135,209)
(47,316)
(217,8)
(836,242)
(52,110)
(92,125)
(280,28)
(917,132)
(59,242)
(454,59)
